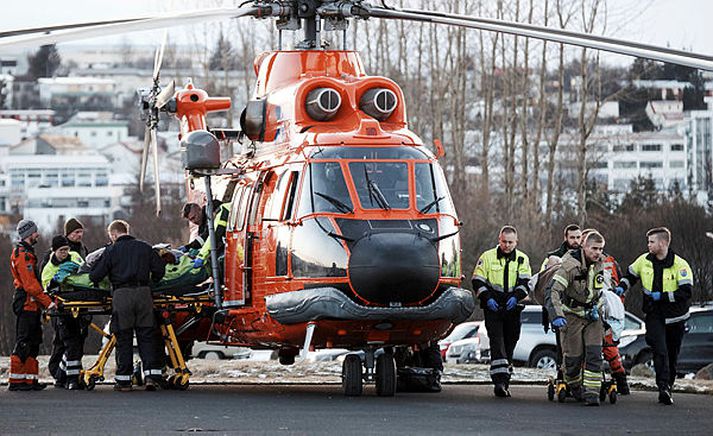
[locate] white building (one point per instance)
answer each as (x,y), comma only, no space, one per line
(33,121)
(95,129)
(10,132)
(617,155)
(51,178)
(76,92)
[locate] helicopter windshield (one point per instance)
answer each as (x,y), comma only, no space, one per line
(325,190)
(432,190)
(381,184)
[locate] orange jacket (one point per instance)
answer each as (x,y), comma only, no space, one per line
(23,264)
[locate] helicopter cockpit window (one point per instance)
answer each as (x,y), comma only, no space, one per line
(315,253)
(324,190)
(381,185)
(432,190)
(369,153)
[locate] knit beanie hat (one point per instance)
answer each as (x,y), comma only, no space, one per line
(59,241)
(25,228)
(71,225)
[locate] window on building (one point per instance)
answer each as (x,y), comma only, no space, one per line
(650,147)
(676,147)
(17,180)
(83,203)
(600,165)
(51,179)
(650,164)
(677,164)
(93,133)
(101,179)
(67,178)
(624,147)
(624,164)
(109,133)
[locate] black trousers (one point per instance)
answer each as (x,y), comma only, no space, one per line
(28,335)
(665,342)
(132,312)
(503,332)
(67,347)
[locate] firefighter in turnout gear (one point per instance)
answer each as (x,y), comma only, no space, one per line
(500,281)
(65,363)
(131,266)
(667,282)
(28,300)
(573,303)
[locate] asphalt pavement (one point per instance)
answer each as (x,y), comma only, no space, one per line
(322,409)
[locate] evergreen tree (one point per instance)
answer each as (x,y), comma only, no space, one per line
(44,62)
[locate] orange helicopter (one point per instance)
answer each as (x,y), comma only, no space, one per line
(342,232)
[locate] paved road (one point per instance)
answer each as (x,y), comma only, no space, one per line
(304,409)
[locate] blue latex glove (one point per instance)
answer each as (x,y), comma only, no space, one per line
(559,322)
(511,303)
(594,313)
(57,277)
(619,291)
(183,249)
(198,263)
(656,296)
(492,305)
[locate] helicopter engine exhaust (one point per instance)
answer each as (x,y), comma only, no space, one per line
(378,103)
(322,104)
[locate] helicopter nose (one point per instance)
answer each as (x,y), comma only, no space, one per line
(393,268)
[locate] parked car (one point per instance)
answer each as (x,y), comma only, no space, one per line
(696,347)
(463,330)
(205,350)
(538,349)
(473,349)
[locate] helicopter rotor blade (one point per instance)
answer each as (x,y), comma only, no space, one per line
(158,59)
(91,30)
(589,36)
(157,179)
(47,29)
(166,94)
(585,40)
(144,157)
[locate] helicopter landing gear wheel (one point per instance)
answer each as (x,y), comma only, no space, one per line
(352,376)
(385,375)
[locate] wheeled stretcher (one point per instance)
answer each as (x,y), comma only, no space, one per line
(184,308)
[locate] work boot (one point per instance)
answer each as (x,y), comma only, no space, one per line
(58,384)
(622,386)
(591,399)
(73,386)
(155,384)
(123,387)
(665,396)
(37,386)
(576,392)
(500,391)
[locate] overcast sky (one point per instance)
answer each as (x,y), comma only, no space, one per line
(677,23)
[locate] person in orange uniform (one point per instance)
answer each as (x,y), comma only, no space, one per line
(29,299)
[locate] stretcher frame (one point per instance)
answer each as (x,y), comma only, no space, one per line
(164,306)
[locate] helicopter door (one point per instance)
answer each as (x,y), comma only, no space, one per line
(235,247)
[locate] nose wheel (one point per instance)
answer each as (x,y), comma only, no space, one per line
(380,370)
